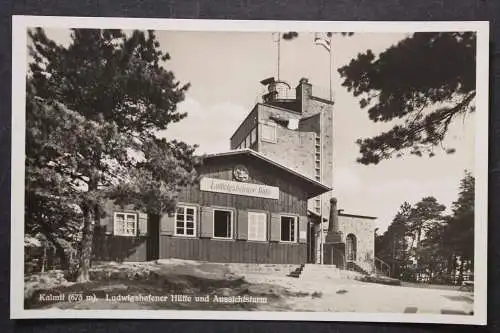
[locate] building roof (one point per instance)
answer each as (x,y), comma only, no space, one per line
(359,216)
(344,214)
(319,187)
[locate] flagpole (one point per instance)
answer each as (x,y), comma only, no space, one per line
(330,55)
(322,245)
(279,47)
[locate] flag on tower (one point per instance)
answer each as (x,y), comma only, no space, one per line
(323,40)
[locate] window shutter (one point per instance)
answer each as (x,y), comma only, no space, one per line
(107,221)
(302,229)
(262,234)
(142,224)
(275,227)
(242,232)
(167,224)
(206,223)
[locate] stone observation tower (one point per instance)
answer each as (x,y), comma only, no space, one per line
(294,128)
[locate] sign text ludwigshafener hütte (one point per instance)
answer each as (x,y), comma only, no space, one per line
(238,188)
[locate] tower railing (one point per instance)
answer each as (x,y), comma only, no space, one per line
(382,268)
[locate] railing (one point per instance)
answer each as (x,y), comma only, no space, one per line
(385,268)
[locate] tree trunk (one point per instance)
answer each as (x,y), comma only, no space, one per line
(44,258)
(86,245)
(451,269)
(417,245)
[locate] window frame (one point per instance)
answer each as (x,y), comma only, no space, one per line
(195,220)
(295,229)
(266,228)
(231,211)
(125,214)
(317,205)
(273,125)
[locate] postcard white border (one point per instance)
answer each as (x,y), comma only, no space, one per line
(19,53)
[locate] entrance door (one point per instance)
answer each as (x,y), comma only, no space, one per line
(311,244)
(153,242)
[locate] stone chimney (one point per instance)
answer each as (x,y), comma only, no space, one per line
(303,90)
(333,235)
(334,216)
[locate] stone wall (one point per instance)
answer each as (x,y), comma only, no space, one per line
(293,148)
(363,229)
(319,114)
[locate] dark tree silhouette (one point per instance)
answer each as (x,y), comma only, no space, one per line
(90,105)
(421,239)
(421,84)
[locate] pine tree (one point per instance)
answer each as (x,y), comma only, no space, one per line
(423,216)
(460,227)
(421,84)
(97,101)
(392,246)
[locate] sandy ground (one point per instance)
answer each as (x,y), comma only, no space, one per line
(347,295)
(315,293)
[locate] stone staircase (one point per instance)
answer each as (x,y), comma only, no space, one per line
(302,271)
(356,267)
(312,271)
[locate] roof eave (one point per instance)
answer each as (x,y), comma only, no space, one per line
(321,188)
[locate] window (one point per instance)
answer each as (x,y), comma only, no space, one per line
(351,247)
(223,224)
(317,159)
(125,224)
(253,136)
(317,205)
(185,221)
(317,146)
(288,229)
(257,226)
(268,132)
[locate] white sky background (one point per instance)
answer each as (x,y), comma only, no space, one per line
(225,70)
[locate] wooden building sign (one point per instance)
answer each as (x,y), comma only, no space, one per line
(239,188)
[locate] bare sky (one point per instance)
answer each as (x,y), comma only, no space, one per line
(225,68)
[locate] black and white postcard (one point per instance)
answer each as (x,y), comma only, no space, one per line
(262,170)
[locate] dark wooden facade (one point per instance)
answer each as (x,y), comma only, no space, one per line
(232,251)
(157,239)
